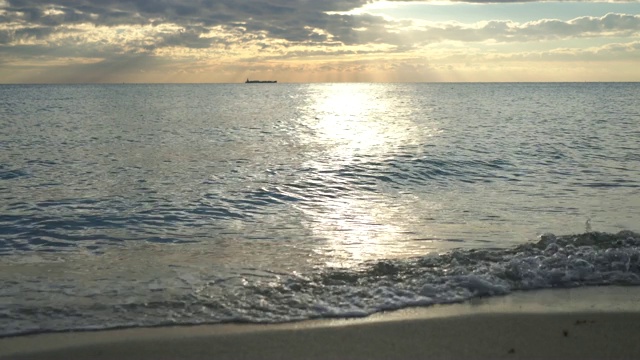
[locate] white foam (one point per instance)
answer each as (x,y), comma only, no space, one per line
(184,297)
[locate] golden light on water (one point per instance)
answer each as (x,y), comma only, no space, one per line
(356,230)
(359,125)
(346,118)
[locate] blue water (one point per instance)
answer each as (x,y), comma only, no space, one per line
(138,205)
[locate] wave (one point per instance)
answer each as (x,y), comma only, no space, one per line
(567,261)
(258,296)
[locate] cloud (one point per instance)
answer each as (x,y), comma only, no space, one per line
(190,24)
(195,24)
(505,31)
(608,25)
(134,34)
(268,15)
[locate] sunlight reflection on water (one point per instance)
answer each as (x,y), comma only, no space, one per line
(352,171)
(359,125)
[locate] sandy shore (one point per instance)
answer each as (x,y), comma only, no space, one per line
(583,323)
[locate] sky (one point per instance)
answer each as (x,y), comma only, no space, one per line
(228,41)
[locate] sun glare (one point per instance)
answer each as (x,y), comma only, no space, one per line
(357,125)
(345,119)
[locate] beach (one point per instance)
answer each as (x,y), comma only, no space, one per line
(578,323)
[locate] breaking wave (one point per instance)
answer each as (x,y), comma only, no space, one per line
(588,259)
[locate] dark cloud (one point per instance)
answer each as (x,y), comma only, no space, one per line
(25,33)
(302,22)
(189,38)
(287,19)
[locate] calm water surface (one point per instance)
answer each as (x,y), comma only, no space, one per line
(191,203)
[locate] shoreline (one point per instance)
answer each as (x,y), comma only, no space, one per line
(589,322)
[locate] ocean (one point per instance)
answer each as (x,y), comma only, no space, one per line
(146,205)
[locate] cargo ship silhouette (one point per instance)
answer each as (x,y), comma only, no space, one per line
(260,81)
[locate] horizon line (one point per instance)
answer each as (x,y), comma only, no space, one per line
(329,82)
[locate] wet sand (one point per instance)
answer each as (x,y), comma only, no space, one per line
(582,323)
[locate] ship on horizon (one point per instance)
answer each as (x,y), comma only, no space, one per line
(260,81)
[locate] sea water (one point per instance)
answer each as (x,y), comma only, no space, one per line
(146,205)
